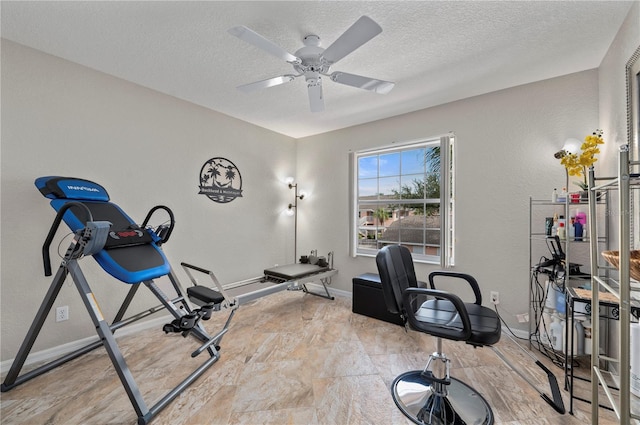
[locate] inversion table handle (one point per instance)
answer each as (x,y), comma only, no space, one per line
(172,221)
(54,227)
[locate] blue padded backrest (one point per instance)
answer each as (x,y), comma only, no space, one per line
(54,187)
(129,264)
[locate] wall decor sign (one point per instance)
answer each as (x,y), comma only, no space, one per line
(220,180)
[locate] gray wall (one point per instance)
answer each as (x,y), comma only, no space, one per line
(146,148)
(505,143)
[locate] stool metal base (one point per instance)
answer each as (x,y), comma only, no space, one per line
(414,395)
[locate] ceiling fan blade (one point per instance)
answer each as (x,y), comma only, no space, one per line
(252,37)
(316,101)
(366,83)
(263,84)
(363,30)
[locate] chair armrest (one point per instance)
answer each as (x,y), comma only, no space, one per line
(439,328)
(470,280)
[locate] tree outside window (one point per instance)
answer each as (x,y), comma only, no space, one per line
(400,199)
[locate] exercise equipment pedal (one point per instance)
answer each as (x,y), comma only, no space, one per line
(187,322)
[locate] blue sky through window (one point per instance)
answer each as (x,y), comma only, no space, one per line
(381,173)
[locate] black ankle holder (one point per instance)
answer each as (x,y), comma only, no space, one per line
(187,322)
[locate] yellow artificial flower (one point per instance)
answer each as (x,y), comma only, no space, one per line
(577,165)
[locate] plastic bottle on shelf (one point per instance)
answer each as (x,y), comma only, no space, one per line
(562,196)
(586,325)
(561,307)
(571,230)
(550,301)
(578,230)
(554,228)
(554,195)
(562,231)
(563,326)
(544,327)
(581,231)
(578,339)
(555,334)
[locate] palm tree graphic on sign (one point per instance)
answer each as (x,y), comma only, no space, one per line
(217,179)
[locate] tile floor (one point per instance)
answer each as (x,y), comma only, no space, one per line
(289,358)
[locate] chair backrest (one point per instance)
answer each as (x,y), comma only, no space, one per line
(395,267)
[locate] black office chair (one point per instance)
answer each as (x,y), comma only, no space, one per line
(431,396)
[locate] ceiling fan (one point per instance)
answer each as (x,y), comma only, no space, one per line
(313,62)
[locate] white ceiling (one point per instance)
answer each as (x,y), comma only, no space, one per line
(436,52)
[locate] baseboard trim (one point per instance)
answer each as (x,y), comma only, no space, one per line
(53,353)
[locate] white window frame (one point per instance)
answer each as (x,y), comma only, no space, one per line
(447,198)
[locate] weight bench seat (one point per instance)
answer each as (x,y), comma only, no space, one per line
(205,295)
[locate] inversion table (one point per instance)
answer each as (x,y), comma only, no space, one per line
(133,255)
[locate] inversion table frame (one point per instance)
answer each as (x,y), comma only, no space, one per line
(107,338)
(90,238)
(73,196)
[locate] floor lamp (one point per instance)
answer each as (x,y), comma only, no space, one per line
(293,210)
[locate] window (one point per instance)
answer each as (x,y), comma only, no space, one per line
(404,195)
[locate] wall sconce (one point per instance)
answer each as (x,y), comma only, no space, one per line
(292,210)
(570,146)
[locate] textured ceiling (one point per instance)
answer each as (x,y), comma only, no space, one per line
(436,52)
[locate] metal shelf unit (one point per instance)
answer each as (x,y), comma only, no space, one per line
(621,288)
(576,250)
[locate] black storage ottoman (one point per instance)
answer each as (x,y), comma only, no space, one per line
(368,299)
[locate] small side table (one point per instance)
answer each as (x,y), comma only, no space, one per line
(582,297)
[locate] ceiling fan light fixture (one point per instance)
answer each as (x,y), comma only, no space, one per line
(311,61)
(311,40)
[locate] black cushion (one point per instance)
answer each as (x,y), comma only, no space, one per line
(204,294)
(485,324)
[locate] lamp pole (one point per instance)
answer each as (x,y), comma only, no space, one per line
(294,206)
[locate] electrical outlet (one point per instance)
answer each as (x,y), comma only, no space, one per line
(495,297)
(62,313)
